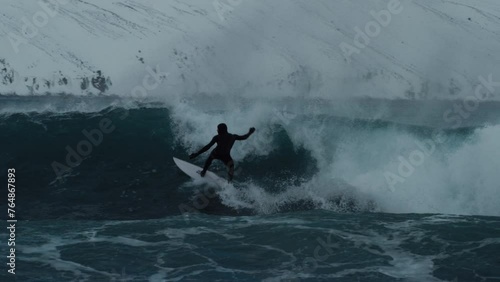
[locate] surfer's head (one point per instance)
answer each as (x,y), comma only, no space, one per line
(222,128)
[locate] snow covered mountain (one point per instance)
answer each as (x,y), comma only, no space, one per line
(320,48)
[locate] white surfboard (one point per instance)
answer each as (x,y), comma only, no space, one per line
(194,172)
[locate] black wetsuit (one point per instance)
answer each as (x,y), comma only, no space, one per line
(225,142)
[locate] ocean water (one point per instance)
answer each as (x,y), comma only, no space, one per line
(315,196)
(314,245)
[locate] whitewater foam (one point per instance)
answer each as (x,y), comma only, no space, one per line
(459,177)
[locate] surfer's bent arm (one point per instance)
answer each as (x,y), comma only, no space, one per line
(244,137)
(204,149)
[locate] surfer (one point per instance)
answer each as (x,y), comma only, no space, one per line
(222,151)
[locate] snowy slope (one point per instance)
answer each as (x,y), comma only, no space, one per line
(250,48)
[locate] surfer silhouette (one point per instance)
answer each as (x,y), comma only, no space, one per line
(222,151)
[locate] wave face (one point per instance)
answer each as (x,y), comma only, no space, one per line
(294,162)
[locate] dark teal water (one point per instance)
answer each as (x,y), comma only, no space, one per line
(297,246)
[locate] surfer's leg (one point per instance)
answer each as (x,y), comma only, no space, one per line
(230,165)
(207,165)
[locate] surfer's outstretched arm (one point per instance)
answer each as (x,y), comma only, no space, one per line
(204,149)
(244,137)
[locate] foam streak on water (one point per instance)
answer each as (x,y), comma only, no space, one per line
(301,246)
